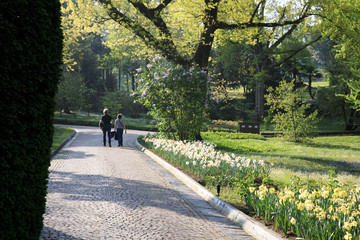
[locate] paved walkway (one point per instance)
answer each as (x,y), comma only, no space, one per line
(97,192)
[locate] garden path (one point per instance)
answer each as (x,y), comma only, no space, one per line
(97,192)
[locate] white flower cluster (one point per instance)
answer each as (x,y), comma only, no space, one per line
(204,154)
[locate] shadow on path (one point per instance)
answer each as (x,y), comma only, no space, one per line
(128,193)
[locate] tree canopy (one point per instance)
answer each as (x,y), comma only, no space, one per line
(184,31)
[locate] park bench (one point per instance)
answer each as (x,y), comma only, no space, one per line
(249,127)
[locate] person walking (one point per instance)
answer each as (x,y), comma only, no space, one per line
(107,121)
(119,128)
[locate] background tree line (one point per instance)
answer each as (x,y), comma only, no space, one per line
(245,44)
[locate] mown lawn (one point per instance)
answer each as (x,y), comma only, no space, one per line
(60,134)
(317,157)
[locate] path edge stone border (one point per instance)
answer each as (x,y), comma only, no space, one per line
(54,152)
(255,229)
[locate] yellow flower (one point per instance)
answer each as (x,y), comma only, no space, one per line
(347,225)
(355,213)
(303,194)
(293,221)
(354,224)
(251,189)
(348,236)
(272,190)
(301,206)
(325,194)
(263,188)
(309,205)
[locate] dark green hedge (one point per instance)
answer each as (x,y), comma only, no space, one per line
(30,60)
(95,123)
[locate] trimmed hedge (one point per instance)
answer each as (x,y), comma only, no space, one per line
(95,123)
(31,56)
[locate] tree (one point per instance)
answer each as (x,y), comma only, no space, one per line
(72,93)
(158,25)
(184,31)
(31,57)
(289,112)
(342,25)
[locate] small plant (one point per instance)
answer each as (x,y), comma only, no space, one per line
(289,111)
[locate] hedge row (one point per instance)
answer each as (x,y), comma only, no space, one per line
(95,123)
(31,55)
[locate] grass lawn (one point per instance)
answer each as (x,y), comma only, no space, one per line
(318,156)
(60,134)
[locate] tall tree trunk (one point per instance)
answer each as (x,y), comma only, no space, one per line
(259,88)
(259,101)
(127,82)
(119,74)
(133,81)
(310,82)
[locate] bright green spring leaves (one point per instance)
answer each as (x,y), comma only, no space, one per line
(176,97)
(290,113)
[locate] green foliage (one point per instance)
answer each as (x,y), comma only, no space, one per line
(30,49)
(237,109)
(354,95)
(290,113)
(141,122)
(342,26)
(176,97)
(73,95)
(111,101)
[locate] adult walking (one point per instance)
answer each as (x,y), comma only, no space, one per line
(119,128)
(107,121)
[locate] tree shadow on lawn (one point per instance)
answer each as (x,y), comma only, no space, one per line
(298,165)
(328,164)
(331,146)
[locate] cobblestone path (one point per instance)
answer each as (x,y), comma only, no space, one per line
(97,192)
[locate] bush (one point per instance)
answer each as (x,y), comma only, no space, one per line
(289,112)
(31,55)
(176,97)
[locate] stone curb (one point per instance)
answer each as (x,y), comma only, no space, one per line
(63,144)
(255,229)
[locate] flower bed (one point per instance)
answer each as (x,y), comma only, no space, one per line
(326,212)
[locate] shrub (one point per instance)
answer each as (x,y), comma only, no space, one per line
(175,96)
(31,55)
(290,112)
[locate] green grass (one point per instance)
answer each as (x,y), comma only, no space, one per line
(60,134)
(339,153)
